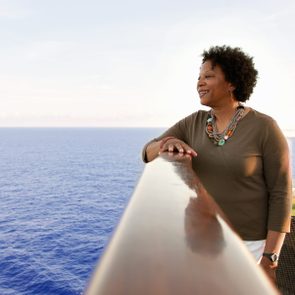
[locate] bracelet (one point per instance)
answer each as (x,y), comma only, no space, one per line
(273,257)
(164,140)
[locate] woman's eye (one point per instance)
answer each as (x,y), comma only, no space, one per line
(208,76)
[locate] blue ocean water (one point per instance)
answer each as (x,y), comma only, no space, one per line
(62,192)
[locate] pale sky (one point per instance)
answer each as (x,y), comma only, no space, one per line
(135,63)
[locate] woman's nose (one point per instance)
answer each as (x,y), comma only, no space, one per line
(200,82)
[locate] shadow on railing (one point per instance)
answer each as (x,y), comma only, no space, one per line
(173,239)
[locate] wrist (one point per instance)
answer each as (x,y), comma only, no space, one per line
(271,256)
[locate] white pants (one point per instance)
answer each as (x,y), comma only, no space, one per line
(256,248)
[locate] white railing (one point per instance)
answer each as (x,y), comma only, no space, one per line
(173,239)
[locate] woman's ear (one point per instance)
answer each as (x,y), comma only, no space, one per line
(231,87)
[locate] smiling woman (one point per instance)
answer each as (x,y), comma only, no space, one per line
(240,154)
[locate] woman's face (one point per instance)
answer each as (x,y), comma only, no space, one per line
(213,89)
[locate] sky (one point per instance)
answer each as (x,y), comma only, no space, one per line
(135,63)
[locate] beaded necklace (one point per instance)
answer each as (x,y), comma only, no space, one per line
(220,139)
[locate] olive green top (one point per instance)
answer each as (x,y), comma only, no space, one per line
(249,176)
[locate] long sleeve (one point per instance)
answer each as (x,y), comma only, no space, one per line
(277,171)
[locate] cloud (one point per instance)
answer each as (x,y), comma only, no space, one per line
(13,9)
(135,67)
(47,50)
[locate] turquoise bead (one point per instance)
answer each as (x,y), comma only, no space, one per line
(221,142)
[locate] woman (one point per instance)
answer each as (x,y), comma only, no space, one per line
(239,154)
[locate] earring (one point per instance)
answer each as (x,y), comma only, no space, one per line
(230,93)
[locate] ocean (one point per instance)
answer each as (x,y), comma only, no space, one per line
(62,192)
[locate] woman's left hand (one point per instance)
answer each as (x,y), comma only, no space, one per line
(270,268)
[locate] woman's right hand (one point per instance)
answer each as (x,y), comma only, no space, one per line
(172,144)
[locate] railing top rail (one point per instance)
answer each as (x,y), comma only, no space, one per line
(173,239)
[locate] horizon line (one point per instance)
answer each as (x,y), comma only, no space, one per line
(102,126)
(286,132)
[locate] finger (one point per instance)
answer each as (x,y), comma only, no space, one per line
(192,152)
(179,148)
(165,147)
(171,148)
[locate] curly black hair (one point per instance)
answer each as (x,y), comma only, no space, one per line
(238,68)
